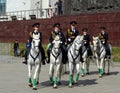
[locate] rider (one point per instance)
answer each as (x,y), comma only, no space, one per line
(72,32)
(55,32)
(36,32)
(103,36)
(87,41)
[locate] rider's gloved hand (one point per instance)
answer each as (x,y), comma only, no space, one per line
(69,39)
(103,42)
(85,42)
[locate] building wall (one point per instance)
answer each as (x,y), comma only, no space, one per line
(17,5)
(37,3)
(22,5)
(52,2)
(12,30)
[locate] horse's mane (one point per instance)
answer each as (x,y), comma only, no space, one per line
(57,38)
(78,38)
(97,39)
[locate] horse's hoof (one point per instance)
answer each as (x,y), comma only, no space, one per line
(37,83)
(103,73)
(75,82)
(100,76)
(70,86)
(30,84)
(88,73)
(34,88)
(83,75)
(55,86)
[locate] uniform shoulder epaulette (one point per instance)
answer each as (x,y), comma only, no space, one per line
(68,30)
(30,34)
(53,34)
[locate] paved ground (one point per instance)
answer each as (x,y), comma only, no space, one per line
(13,79)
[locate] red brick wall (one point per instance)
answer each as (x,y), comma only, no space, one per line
(12,30)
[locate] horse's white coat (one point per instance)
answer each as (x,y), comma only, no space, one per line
(34,59)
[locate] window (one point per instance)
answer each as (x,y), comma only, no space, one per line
(2,7)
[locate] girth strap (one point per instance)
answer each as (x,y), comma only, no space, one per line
(35,57)
(73,57)
(56,56)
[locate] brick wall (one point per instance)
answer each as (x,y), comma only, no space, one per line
(12,30)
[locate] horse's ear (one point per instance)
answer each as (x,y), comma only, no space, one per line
(93,37)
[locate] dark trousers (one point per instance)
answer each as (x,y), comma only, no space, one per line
(15,52)
(89,50)
(60,10)
(107,49)
(43,53)
(82,50)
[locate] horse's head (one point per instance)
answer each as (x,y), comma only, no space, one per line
(56,44)
(35,44)
(96,43)
(78,42)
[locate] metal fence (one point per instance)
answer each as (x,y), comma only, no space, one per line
(26,14)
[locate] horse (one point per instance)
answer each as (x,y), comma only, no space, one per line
(55,62)
(34,59)
(74,59)
(100,55)
(86,59)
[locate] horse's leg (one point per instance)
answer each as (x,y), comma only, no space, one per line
(56,75)
(104,64)
(87,65)
(51,72)
(83,68)
(101,67)
(38,73)
(70,74)
(108,67)
(78,71)
(35,76)
(98,65)
(60,72)
(29,75)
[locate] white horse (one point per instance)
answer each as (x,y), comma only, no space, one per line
(74,59)
(100,55)
(34,59)
(55,62)
(86,60)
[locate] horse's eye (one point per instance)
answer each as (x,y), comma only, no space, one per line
(33,41)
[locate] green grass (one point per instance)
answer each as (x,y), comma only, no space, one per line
(116,54)
(21,47)
(115,51)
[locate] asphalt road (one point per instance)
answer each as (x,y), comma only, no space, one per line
(13,79)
